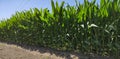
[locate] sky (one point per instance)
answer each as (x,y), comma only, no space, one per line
(9,7)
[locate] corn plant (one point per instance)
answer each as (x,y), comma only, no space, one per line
(86,28)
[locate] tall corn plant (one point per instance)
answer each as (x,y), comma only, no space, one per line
(87,27)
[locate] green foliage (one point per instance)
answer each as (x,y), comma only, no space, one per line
(83,28)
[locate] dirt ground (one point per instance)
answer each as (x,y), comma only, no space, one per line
(11,51)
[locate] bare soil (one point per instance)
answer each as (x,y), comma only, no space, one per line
(13,51)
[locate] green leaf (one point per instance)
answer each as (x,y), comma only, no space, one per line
(53,6)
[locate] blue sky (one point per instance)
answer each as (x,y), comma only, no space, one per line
(9,7)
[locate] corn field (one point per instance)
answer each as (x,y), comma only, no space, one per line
(85,28)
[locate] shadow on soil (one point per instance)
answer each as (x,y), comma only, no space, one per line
(63,54)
